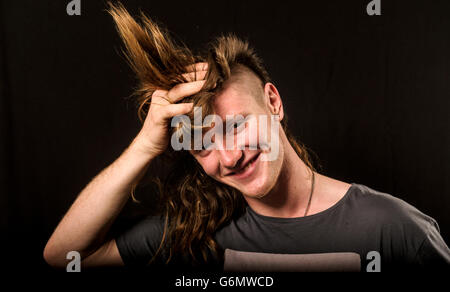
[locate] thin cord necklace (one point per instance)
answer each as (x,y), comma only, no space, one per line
(310,195)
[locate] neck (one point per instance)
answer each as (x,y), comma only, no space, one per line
(290,195)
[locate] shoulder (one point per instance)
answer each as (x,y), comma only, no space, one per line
(140,243)
(402,227)
(380,202)
(388,210)
(146,232)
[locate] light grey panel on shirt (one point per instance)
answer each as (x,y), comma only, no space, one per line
(239,261)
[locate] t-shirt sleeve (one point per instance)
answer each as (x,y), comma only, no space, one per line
(433,251)
(416,237)
(138,245)
(407,237)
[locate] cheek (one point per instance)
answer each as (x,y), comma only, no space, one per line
(209,165)
(258,132)
(251,133)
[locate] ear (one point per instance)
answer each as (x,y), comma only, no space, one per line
(273,98)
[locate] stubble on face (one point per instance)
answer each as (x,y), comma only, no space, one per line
(245,92)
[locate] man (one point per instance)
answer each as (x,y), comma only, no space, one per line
(233,207)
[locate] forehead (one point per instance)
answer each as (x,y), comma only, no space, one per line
(233,101)
(240,95)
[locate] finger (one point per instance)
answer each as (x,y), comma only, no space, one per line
(173,110)
(197,67)
(195,76)
(160,96)
(160,93)
(182,90)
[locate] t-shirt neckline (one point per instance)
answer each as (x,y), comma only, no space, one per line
(308,217)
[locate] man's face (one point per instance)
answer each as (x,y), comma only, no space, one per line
(241,168)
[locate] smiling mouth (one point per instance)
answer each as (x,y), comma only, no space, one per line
(245,169)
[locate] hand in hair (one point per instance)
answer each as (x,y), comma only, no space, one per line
(153,138)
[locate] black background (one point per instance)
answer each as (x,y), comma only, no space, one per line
(368,94)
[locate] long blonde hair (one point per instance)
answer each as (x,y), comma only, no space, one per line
(195,205)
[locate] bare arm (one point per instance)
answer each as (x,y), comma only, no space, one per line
(89,218)
(85,225)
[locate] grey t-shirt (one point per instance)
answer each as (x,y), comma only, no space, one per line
(362,222)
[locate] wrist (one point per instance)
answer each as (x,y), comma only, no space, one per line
(142,150)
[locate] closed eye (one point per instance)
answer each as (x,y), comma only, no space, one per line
(205,149)
(237,127)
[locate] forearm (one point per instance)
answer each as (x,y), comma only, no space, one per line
(84,226)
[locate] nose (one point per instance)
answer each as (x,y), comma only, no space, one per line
(230,158)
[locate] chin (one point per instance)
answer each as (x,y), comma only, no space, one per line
(256,194)
(261,181)
(260,186)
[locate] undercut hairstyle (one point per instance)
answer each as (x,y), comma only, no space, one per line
(193,204)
